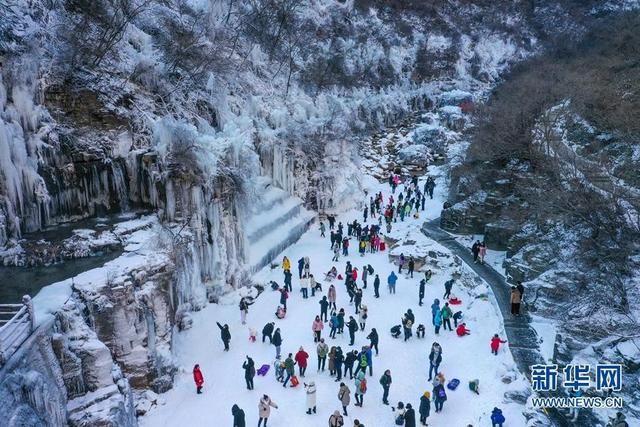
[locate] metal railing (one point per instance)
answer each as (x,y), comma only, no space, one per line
(17,322)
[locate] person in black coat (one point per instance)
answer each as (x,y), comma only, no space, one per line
(425,407)
(225,335)
(324,305)
(249,372)
(412,264)
(339,360)
(238,416)
(351,358)
(409,416)
(300,267)
(376,286)
(277,342)
(353,327)
(287,281)
(267,331)
(373,337)
(421,292)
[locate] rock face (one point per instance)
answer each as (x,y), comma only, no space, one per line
(98,392)
(133,317)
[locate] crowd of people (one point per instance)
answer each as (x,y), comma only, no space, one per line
(349,366)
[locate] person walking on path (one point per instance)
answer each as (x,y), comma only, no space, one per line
(301,360)
(267,331)
(475,250)
(425,407)
(495,344)
(448,285)
(391,281)
(376,287)
(317,327)
(322,229)
(238,416)
(373,338)
(361,388)
(482,253)
(198,378)
(264,409)
(249,372)
(421,292)
(515,301)
(322,349)
(277,342)
(385,382)
(225,335)
(435,358)
(289,366)
(344,395)
(336,420)
(311,397)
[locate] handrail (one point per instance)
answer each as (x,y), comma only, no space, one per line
(17,329)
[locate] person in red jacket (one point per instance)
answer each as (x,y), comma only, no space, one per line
(495,344)
(462,330)
(354,274)
(301,359)
(198,378)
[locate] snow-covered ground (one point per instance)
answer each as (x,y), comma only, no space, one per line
(465,358)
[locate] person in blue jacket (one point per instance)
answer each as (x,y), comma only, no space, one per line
(391,281)
(497,418)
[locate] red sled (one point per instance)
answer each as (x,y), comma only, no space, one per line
(382,246)
(455,301)
(294,381)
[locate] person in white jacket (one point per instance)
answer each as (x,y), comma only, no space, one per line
(311,397)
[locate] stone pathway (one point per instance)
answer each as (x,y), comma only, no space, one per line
(523,339)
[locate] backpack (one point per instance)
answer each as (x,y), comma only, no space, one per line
(370,269)
(441,393)
(400,420)
(363,385)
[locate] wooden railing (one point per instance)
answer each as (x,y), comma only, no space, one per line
(17,322)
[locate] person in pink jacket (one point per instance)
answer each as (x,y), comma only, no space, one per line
(316,327)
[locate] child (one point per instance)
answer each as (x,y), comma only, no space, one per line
(420,331)
(495,344)
(280,312)
(462,330)
(252,334)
